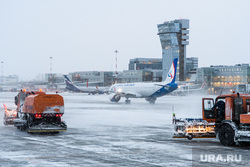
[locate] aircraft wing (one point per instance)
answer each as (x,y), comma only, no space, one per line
(165,86)
(189,89)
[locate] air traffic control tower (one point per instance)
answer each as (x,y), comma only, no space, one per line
(174,38)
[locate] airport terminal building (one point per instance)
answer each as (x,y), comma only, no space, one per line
(54,78)
(100,78)
(151,69)
(224,78)
(145,63)
(94,78)
(11,79)
(154,65)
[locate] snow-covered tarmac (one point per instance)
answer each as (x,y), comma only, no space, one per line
(101,133)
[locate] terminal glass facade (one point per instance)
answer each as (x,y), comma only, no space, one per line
(145,63)
(224,78)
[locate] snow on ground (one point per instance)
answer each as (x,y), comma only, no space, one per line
(102,133)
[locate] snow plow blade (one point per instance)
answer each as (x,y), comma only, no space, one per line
(43,128)
(9,121)
(9,116)
(193,128)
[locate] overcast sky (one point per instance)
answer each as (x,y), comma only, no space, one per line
(82,35)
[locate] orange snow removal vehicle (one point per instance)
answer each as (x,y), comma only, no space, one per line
(227,116)
(39,112)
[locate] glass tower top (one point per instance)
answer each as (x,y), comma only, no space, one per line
(174,38)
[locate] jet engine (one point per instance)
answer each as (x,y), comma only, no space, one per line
(114,97)
(151,100)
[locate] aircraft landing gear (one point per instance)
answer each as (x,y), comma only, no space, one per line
(127,101)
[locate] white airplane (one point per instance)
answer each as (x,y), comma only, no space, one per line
(90,90)
(9,88)
(149,91)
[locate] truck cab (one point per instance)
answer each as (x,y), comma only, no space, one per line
(231,116)
(236,108)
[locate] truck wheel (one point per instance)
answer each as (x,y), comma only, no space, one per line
(190,137)
(23,128)
(29,120)
(226,135)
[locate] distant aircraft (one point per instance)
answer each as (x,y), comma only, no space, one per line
(9,88)
(149,91)
(71,87)
(188,89)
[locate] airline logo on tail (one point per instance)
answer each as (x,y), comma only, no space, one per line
(67,80)
(171,74)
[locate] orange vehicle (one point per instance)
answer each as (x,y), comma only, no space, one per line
(39,112)
(228,114)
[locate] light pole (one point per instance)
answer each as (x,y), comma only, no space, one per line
(116,52)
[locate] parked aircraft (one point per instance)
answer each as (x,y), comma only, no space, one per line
(9,88)
(149,91)
(90,90)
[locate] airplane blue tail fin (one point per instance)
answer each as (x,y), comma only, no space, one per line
(67,80)
(172,73)
(69,85)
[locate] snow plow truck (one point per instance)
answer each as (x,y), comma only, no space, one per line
(228,118)
(37,112)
